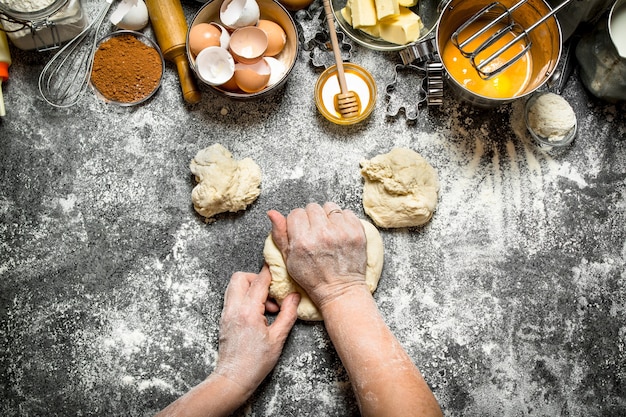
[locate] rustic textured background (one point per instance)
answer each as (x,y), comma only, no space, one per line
(510,300)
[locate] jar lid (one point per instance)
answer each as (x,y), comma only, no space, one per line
(31,11)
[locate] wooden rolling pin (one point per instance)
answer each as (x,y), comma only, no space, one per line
(170,27)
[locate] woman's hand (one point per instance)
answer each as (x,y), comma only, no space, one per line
(324,249)
(249,348)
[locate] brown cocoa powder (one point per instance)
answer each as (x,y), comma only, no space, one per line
(125,69)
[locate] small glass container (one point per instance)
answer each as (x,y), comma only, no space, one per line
(42,24)
(138,79)
(548,144)
(358,80)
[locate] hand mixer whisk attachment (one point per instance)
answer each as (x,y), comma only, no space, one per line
(487,57)
(66,76)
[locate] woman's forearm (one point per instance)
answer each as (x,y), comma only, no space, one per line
(216,396)
(385,380)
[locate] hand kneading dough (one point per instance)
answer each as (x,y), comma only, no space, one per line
(224,184)
(400,189)
(282,284)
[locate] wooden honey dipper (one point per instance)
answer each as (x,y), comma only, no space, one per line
(347,102)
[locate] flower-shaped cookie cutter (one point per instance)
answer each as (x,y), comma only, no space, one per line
(321,51)
(319,46)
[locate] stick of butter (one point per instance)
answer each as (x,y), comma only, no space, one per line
(362,13)
(401,29)
(386,8)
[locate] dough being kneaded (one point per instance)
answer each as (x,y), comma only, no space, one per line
(400,190)
(224,184)
(282,284)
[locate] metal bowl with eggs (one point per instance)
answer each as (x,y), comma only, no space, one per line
(242,49)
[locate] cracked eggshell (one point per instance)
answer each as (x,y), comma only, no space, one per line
(252,78)
(248,44)
(276,36)
(239,13)
(130,15)
(277,69)
(215,65)
(224,35)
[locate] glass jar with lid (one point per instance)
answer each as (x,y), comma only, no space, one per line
(41,24)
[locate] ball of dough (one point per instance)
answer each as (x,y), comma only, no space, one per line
(282,284)
(551,116)
(400,189)
(224,184)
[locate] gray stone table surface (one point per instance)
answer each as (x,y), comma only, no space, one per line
(510,300)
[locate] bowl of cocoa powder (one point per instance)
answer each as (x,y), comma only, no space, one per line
(127,68)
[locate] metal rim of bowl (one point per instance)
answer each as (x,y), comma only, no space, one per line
(147,41)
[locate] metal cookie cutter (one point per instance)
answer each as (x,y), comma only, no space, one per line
(419,80)
(321,51)
(319,47)
(406,91)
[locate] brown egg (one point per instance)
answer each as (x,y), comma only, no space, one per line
(202,36)
(248,44)
(252,78)
(276,37)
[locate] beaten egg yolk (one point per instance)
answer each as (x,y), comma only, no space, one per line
(508,83)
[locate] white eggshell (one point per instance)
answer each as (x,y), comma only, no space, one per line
(278,70)
(225,36)
(215,65)
(130,15)
(239,13)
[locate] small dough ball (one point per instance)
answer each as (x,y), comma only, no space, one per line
(282,284)
(551,116)
(224,184)
(400,190)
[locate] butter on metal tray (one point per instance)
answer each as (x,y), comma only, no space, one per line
(400,28)
(360,13)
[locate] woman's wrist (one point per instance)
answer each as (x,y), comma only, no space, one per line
(229,392)
(230,383)
(348,295)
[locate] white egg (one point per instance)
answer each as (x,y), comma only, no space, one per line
(215,65)
(239,13)
(130,15)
